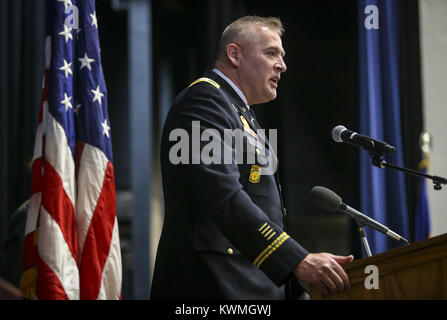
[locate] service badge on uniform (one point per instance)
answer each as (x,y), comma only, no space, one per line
(255,174)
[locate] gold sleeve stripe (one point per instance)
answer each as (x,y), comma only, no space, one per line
(208,80)
(270,249)
(273,249)
(265,230)
(262,227)
(267,234)
(271,235)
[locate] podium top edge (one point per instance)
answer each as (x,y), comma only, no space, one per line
(415,246)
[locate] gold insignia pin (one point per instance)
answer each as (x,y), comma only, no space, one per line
(247,127)
(245,122)
(255,174)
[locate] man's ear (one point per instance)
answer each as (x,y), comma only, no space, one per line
(233,54)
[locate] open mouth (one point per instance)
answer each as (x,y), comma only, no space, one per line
(274,81)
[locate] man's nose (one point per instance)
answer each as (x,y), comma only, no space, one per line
(281,65)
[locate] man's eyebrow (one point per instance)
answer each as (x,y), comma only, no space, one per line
(276,49)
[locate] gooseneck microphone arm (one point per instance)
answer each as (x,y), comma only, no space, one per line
(437,181)
(377,149)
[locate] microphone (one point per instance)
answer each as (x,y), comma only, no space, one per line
(328,200)
(341,134)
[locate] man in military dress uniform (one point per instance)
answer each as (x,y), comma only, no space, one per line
(223,235)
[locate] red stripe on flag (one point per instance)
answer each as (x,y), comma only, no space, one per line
(48,285)
(59,206)
(36,175)
(97,242)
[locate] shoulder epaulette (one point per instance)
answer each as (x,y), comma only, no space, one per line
(208,80)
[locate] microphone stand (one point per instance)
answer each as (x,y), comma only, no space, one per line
(362,234)
(380,163)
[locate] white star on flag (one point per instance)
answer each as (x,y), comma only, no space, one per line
(106,128)
(98,95)
(94,20)
(85,62)
(66,33)
(66,68)
(67,102)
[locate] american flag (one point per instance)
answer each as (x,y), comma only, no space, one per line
(72,248)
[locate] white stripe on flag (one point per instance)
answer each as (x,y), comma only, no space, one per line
(33,212)
(56,254)
(91,173)
(59,156)
(111,275)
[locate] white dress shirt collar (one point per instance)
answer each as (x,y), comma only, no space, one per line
(235,87)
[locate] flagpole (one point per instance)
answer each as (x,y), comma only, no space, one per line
(140,98)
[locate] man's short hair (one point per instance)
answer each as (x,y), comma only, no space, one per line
(241,29)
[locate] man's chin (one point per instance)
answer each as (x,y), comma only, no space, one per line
(272,95)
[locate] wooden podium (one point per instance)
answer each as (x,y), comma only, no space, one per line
(416,271)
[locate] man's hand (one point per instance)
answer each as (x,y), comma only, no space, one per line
(324,271)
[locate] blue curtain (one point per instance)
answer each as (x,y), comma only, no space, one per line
(382,191)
